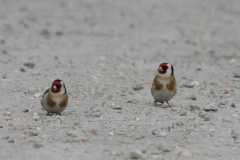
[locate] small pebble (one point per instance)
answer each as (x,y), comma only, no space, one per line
(233,105)
(10,124)
(226,119)
(31,91)
(8,118)
(158,133)
(237,73)
(25,110)
(163,134)
(195,83)
(112,105)
(137,87)
(234,134)
(144,151)
(221,106)
(59,33)
(36,118)
(235,115)
(138,119)
(29,64)
(5,51)
(164,147)
(97,114)
(37,95)
(175,108)
(184,152)
(23,69)
(7,113)
(154,132)
(187,86)
(194,107)
(223,102)
(116,107)
(45,33)
(192,97)
(37,145)
(179,122)
(72,134)
(236,79)
(114,153)
(111,133)
(210,108)
(206,118)
(189,129)
(2,41)
(137,154)
(33,133)
(93,131)
(183,114)
(11,141)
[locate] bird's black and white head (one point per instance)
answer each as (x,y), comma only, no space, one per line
(58,87)
(165,70)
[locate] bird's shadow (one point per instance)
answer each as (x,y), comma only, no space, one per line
(161,105)
(53,114)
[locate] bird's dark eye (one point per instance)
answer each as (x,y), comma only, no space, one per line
(164,68)
(58,86)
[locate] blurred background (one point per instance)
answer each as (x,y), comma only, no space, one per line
(101,38)
(120,27)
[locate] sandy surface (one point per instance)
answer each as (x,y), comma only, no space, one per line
(100,49)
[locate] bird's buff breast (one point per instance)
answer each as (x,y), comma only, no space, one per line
(163,89)
(55,104)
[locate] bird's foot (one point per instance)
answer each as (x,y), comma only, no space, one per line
(155,103)
(168,104)
(48,114)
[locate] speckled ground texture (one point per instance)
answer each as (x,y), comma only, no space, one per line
(100,49)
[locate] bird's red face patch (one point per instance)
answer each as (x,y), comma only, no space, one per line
(163,68)
(56,87)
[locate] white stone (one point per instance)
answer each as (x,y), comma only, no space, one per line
(163,134)
(138,119)
(137,154)
(37,95)
(195,83)
(7,113)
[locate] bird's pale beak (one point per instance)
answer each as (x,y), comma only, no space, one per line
(160,69)
(55,88)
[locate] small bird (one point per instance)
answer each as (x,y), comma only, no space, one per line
(164,85)
(55,99)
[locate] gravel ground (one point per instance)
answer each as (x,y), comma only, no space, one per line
(100,49)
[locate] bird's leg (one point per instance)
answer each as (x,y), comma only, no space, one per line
(168,104)
(48,114)
(59,114)
(155,103)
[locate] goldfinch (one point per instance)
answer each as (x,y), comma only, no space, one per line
(55,99)
(164,85)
